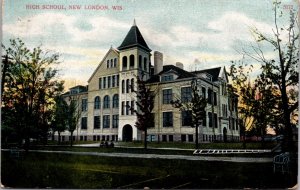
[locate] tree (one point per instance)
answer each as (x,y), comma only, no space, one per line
(257,101)
(73,115)
(196,104)
(145,105)
(29,86)
(282,71)
(61,115)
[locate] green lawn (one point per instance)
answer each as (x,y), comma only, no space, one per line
(41,170)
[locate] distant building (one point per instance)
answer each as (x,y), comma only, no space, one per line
(106,116)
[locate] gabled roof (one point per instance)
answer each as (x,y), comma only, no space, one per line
(214,72)
(134,38)
(102,61)
(171,68)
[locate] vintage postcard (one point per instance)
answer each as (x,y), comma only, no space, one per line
(135,94)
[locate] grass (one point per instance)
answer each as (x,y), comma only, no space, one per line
(41,170)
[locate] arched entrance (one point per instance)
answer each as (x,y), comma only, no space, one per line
(225,134)
(127,133)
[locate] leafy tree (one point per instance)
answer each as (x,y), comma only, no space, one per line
(60,119)
(29,86)
(145,105)
(196,104)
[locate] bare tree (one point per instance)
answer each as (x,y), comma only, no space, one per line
(196,104)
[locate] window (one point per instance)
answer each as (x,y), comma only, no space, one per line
(107,64)
(116,101)
(140,62)
(167,78)
(190,138)
(127,107)
(132,85)
(131,61)
(97,102)
(167,119)
(123,86)
(108,81)
(118,80)
(104,82)
(113,83)
(84,123)
(115,121)
(152,124)
(111,63)
(96,122)
(132,107)
(209,93)
(106,102)
(84,105)
(216,120)
(204,92)
(100,83)
(209,119)
(215,98)
(186,118)
(106,121)
(183,138)
(145,63)
(124,60)
(167,96)
(164,138)
(170,138)
(122,109)
(127,86)
(115,62)
(186,94)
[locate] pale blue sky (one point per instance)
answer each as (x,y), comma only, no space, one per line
(188,31)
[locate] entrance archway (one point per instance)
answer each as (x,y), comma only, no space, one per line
(127,133)
(225,134)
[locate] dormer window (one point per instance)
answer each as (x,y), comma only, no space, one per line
(167,78)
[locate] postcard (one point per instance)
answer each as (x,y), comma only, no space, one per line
(178,94)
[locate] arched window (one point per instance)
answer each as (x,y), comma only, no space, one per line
(127,86)
(140,62)
(145,63)
(97,102)
(124,60)
(107,64)
(132,85)
(115,62)
(123,86)
(106,102)
(116,101)
(111,63)
(131,61)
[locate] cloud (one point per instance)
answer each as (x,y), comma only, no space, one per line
(68,27)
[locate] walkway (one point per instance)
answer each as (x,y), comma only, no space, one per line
(160,156)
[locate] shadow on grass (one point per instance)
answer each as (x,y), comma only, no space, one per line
(40,170)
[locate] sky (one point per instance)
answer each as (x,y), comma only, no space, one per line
(199,33)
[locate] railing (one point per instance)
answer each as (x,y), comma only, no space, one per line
(229,151)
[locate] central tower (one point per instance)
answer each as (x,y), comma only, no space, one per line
(134,62)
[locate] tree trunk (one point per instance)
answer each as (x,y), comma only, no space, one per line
(72,138)
(196,138)
(58,137)
(145,139)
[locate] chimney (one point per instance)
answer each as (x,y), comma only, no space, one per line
(180,65)
(158,62)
